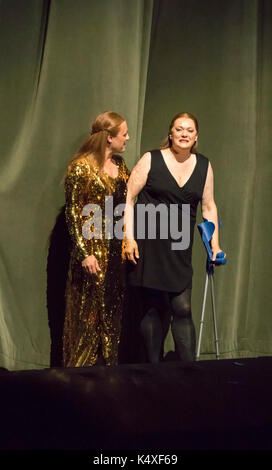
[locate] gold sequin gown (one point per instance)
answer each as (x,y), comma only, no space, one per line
(93,302)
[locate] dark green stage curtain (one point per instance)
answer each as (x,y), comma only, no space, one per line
(62,62)
(213,59)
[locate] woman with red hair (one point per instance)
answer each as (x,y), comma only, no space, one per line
(174,175)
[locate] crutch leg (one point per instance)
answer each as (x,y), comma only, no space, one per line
(202,318)
(214,319)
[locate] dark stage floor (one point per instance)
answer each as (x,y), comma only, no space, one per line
(223,404)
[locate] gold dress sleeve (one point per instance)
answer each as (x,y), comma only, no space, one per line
(124,169)
(75,184)
(126,174)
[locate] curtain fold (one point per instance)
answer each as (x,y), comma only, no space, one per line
(258,317)
(64,62)
(214,59)
(22,314)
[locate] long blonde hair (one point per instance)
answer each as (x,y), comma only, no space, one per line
(94,148)
(168,142)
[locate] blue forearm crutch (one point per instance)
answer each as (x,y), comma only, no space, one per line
(206,230)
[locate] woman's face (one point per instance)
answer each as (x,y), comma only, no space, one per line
(118,143)
(183,134)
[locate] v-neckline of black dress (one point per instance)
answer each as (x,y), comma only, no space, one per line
(173,178)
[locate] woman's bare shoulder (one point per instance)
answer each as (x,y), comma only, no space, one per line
(144,162)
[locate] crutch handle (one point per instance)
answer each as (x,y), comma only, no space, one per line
(206,230)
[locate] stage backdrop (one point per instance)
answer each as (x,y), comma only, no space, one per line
(62,63)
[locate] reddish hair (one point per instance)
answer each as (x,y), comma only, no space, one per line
(94,148)
(168,142)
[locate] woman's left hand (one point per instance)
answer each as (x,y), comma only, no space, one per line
(215,251)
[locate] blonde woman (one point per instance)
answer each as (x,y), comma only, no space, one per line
(94,291)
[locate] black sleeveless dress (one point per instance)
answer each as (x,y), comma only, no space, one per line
(159,266)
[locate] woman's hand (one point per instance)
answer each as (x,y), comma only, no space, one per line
(90,264)
(215,251)
(131,250)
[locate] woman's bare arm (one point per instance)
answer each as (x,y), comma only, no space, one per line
(209,210)
(135,184)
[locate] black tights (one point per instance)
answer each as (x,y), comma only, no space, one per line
(159,307)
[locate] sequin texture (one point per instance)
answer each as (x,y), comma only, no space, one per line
(93,302)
